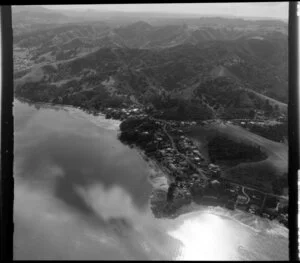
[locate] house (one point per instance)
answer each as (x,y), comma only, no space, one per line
(266,215)
(213,166)
(216,185)
(256,197)
(196,158)
(241,199)
(253,206)
(196,176)
(196,152)
(172,166)
(215,182)
(251,211)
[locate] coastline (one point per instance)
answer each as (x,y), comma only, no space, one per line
(158,178)
(22,99)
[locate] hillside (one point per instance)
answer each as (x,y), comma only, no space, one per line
(222,67)
(32,18)
(145,74)
(261,174)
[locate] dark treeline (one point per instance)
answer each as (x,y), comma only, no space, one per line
(276,132)
(221,148)
(91,99)
(180,109)
(279,184)
(139,132)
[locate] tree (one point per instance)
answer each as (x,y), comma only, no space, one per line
(171,192)
(251,114)
(268,107)
(181,108)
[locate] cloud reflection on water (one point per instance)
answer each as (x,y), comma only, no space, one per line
(81,194)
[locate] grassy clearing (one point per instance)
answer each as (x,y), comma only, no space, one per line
(259,174)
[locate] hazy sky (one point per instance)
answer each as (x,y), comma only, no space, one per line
(260,9)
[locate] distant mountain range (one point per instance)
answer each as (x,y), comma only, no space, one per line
(26,16)
(223,65)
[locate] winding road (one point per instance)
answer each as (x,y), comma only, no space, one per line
(248,198)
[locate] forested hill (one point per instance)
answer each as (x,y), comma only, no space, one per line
(212,69)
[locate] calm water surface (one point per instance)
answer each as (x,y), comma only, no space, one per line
(81,194)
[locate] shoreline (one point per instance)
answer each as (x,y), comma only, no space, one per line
(157,169)
(194,209)
(159,179)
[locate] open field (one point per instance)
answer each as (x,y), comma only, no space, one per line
(283,107)
(256,174)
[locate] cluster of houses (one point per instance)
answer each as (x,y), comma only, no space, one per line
(184,163)
(168,156)
(181,159)
(21,61)
(255,203)
(124,113)
(233,60)
(269,212)
(260,118)
(187,147)
(182,166)
(246,123)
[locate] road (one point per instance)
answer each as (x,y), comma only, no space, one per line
(253,189)
(243,190)
(274,149)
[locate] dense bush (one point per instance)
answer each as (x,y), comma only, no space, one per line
(272,132)
(130,124)
(221,148)
(70,93)
(279,184)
